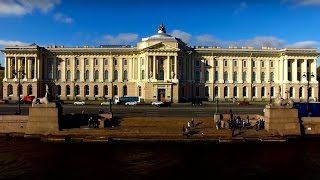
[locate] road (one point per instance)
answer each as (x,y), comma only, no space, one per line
(176,110)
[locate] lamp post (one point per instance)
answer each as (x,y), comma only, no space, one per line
(270,81)
(308,76)
(18,75)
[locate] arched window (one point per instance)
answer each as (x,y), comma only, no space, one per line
(291,92)
(68,90)
(253,76)
(125,75)
(253,91)
(216,76)
(235,76)
(300,92)
(59,90)
(142,74)
(272,91)
(77,90)
(272,76)
(263,92)
(68,75)
(86,90)
(244,76)
(78,75)
(115,90)
(106,75)
(115,75)
(96,75)
(225,91)
(59,75)
(263,77)
(86,77)
(105,90)
(206,91)
(125,90)
(216,91)
(235,91)
(225,76)
(10,90)
(29,89)
(96,90)
(161,75)
(206,76)
(244,91)
(197,78)
(139,90)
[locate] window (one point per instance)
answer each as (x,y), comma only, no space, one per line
(216,62)
(271,64)
(125,90)
(96,61)
(253,76)
(115,75)
(115,90)
(263,91)
(244,91)
(77,75)
(206,76)
(300,92)
(207,63)
(235,76)
(86,90)
(96,90)
(272,91)
(197,78)
(86,61)
(244,76)
(262,64)
(77,62)
(96,75)
(289,76)
(68,75)
(125,75)
(225,76)
(105,61)
(253,91)
(105,90)
(86,77)
(289,63)
(77,90)
(10,90)
(272,76)
(253,64)
(68,90)
(206,91)
(225,63)
(161,61)
(216,91)
(142,74)
(299,76)
(115,62)
(197,91)
(235,91)
(235,63)
(244,63)
(106,75)
(142,61)
(139,90)
(291,92)
(68,62)
(125,62)
(309,92)
(59,90)
(299,64)
(161,75)
(197,63)
(58,75)
(216,76)
(225,92)
(263,77)
(29,89)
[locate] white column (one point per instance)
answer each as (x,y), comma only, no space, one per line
(6,69)
(25,68)
(82,69)
(220,70)
(304,69)
(249,72)
(146,67)
(120,69)
(285,70)
(211,73)
(111,78)
(202,71)
(91,69)
(230,73)
(36,68)
(101,69)
(258,71)
(175,67)
(133,68)
(314,71)
(240,67)
(154,67)
(168,68)
(294,70)
(139,69)
(267,65)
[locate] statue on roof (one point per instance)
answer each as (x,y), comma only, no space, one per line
(162,28)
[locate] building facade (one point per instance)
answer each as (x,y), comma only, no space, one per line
(161,67)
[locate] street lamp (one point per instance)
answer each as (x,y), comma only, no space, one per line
(270,81)
(308,76)
(18,75)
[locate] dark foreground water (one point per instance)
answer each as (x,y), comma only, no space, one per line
(31,159)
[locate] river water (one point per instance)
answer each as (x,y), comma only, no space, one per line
(32,159)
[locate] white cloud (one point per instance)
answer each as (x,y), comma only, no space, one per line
(122,38)
(207,39)
(63,18)
(302,2)
(184,36)
(305,44)
(243,5)
(22,7)
(11,43)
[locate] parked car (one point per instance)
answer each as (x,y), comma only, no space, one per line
(165,104)
(79,103)
(196,101)
(106,103)
(155,103)
(131,103)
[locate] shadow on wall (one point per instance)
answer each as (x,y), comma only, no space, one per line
(69,121)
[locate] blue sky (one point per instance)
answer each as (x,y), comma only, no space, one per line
(275,23)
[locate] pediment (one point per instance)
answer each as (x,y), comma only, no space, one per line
(162,47)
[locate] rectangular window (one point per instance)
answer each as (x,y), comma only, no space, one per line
(161,61)
(244,63)
(125,62)
(68,61)
(308,64)
(235,63)
(105,60)
(299,64)
(262,64)
(253,64)
(115,62)
(225,63)
(215,62)
(86,61)
(207,63)
(96,62)
(197,63)
(77,62)
(289,63)
(271,64)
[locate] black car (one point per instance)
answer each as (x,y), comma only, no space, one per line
(196,101)
(165,104)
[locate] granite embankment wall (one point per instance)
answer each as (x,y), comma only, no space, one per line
(13,123)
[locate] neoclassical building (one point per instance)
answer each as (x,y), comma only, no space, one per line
(161,67)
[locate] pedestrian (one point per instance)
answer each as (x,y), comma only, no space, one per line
(257,125)
(192,122)
(188,124)
(90,121)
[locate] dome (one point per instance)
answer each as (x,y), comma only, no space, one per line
(161,35)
